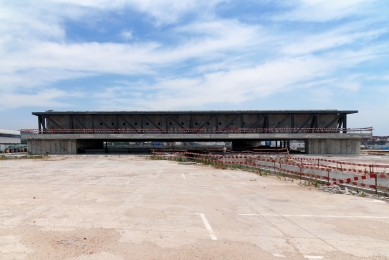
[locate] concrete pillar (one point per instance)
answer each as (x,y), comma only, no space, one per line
(29,146)
(43,147)
(332,146)
(306,145)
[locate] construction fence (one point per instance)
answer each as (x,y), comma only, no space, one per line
(372,177)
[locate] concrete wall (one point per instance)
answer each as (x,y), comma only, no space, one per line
(42,147)
(333,146)
(70,143)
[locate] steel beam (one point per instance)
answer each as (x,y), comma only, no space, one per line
(266,122)
(305,122)
(336,119)
(48,118)
(177,123)
(209,119)
(74,117)
(222,119)
(344,123)
(40,123)
(259,119)
(282,121)
(127,122)
(231,122)
(191,122)
(71,126)
(209,112)
(155,125)
(102,122)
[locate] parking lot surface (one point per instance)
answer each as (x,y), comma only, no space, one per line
(127,207)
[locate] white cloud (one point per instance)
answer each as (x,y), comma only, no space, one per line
(321,95)
(127,59)
(126,35)
(45,98)
(234,86)
(325,10)
(303,44)
(350,85)
(163,12)
(208,60)
(36,78)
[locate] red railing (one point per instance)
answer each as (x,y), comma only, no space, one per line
(197,131)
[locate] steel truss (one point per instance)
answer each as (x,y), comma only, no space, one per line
(191,121)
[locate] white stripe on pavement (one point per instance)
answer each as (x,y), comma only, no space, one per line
(208,226)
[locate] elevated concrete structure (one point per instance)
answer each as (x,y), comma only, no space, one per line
(325,131)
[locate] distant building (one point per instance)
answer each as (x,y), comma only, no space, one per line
(9,137)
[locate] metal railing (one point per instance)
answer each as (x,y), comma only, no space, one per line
(197,131)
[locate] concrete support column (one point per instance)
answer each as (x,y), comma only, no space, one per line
(306,145)
(43,147)
(332,146)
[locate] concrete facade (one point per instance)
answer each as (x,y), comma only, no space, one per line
(333,146)
(53,146)
(71,143)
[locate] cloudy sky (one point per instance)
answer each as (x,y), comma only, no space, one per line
(194,55)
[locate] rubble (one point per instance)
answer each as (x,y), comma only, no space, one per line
(335,189)
(188,163)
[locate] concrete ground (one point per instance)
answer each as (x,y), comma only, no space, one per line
(126,207)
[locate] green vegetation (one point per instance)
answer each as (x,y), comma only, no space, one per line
(3,158)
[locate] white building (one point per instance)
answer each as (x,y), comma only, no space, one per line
(9,137)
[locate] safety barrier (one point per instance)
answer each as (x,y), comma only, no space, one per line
(197,130)
(323,173)
(344,166)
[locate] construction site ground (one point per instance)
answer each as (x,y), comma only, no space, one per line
(127,207)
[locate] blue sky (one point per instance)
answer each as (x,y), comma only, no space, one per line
(194,55)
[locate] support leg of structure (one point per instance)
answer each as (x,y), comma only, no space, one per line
(332,146)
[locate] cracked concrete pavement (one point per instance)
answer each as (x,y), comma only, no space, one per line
(127,207)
